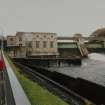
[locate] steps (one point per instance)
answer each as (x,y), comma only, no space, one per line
(82,48)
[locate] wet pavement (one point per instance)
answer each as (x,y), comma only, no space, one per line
(92,69)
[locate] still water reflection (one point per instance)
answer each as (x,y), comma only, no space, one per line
(92,69)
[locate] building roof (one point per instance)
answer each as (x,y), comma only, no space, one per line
(18,33)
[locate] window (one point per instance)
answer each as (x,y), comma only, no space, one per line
(20,38)
(30,44)
(20,45)
(11,39)
(37,44)
(51,44)
(51,36)
(37,36)
(44,44)
(44,36)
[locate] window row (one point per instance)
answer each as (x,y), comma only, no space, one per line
(45,44)
(44,36)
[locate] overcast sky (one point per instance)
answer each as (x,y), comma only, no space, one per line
(64,17)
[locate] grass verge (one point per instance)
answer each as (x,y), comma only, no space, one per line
(36,94)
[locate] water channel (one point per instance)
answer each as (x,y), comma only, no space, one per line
(92,69)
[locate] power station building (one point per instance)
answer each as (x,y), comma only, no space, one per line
(37,44)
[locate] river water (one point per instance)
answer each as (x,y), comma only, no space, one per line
(92,69)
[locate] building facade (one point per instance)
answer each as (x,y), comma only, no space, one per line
(44,44)
(11,45)
(37,44)
(11,41)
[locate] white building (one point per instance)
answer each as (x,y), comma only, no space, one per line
(33,44)
(44,44)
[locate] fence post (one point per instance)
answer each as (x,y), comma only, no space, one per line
(2,92)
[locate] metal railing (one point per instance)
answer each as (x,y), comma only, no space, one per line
(2,91)
(9,99)
(13,91)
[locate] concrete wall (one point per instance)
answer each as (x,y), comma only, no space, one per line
(20,52)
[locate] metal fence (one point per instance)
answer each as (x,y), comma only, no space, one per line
(14,94)
(9,99)
(2,91)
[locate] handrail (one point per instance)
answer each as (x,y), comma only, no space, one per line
(19,95)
